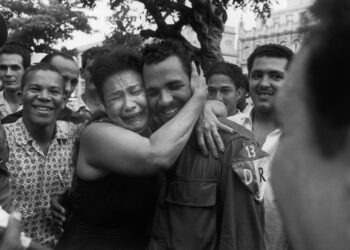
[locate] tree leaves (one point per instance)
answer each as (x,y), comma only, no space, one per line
(39,25)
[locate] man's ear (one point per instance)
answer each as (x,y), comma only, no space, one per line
(240,93)
(19,98)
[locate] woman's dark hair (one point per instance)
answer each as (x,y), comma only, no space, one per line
(93,53)
(120,59)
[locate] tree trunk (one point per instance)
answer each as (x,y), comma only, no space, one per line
(209,28)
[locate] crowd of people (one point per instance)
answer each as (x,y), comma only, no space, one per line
(126,166)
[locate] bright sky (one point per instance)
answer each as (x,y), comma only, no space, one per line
(101,27)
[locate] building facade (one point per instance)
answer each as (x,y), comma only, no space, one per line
(283,27)
(228,46)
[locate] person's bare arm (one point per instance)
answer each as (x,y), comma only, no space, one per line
(105,146)
(208,125)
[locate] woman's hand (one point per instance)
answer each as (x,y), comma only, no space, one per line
(207,128)
(198,84)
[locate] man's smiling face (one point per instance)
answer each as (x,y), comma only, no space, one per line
(266,77)
(167,87)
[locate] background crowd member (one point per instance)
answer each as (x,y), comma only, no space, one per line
(226,83)
(69,69)
(310,174)
(113,193)
(14,60)
(204,202)
(70,72)
(39,152)
(267,67)
(89,102)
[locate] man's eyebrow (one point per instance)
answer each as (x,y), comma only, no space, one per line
(277,71)
(116,91)
(135,85)
(10,65)
(33,84)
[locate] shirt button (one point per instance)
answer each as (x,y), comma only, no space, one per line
(186,199)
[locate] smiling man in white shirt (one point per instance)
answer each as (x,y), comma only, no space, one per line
(267,67)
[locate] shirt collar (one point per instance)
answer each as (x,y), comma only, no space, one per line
(276,132)
(247,119)
(25,136)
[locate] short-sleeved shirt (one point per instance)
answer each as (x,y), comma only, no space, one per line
(36,176)
(208,203)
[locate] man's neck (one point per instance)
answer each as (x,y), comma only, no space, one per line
(263,124)
(263,116)
(233,112)
(11,98)
(43,135)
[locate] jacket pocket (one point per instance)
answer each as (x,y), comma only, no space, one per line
(195,193)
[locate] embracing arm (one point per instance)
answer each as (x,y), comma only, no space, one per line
(105,146)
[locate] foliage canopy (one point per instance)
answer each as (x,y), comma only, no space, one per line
(40,24)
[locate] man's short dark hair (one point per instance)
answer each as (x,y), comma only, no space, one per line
(119,60)
(326,74)
(233,71)
(18,50)
(49,57)
(270,50)
(35,68)
(93,53)
(158,51)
